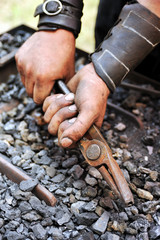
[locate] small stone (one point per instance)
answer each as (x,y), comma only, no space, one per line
(144,194)
(141,224)
(22,126)
(79,184)
(90,180)
(148,140)
(154,175)
(131,211)
(1,222)
(28,185)
(56,233)
(70,162)
(106,202)
(91,206)
(65,218)
(130,167)
(25,207)
(7,137)
(86,218)
(28,154)
(150,206)
(76,171)
(45,160)
(123,138)
(58,178)
(77,207)
(39,232)
(131,231)
(150,185)
(14,235)
(60,193)
(95,173)
(99,210)
(32,216)
(154,233)
(126,174)
(150,150)
(123,216)
(119,227)
(3,146)
(101,224)
(51,171)
(89,192)
(143,236)
(16,160)
(130,237)
(137,182)
(110,236)
(120,127)
(126,155)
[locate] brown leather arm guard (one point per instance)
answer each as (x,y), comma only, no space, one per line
(127,44)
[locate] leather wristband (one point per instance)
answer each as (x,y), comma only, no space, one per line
(55,14)
(127,44)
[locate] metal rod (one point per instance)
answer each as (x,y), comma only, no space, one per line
(16,175)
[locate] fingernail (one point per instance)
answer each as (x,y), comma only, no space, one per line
(60,95)
(66,142)
(73,108)
(72,120)
(70,97)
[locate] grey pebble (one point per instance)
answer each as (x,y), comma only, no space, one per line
(39,232)
(28,185)
(110,236)
(3,146)
(101,224)
(70,162)
(154,233)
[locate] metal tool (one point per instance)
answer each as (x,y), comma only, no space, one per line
(16,175)
(98,154)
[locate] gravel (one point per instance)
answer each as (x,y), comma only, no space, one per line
(86,208)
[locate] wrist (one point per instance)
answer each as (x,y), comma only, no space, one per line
(96,79)
(60,14)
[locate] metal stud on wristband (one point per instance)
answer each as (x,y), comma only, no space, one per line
(127,44)
(44,8)
(55,14)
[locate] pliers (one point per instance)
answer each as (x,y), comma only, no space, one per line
(98,154)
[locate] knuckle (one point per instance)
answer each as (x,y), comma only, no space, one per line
(29,72)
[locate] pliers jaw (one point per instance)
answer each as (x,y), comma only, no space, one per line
(98,154)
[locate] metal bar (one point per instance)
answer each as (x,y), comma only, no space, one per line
(127,113)
(16,175)
(138,77)
(141,89)
(8,58)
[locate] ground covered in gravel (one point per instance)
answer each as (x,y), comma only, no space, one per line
(86,208)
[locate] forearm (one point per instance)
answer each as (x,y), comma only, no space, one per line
(152,5)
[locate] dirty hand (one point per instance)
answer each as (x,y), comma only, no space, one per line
(45,57)
(90,99)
